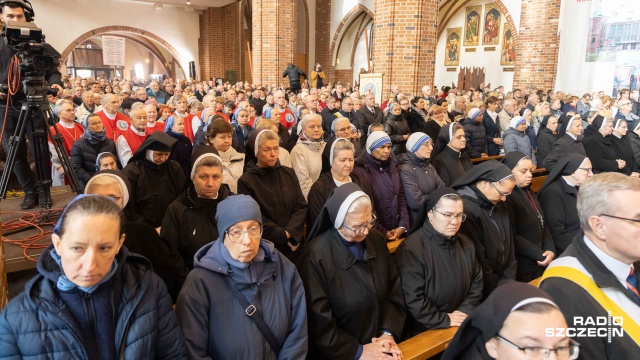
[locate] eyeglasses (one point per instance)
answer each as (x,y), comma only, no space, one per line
(360,229)
(462,216)
(237,234)
(498,190)
(589,170)
(636,221)
(570,351)
(348,104)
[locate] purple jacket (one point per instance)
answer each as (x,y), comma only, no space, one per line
(389,203)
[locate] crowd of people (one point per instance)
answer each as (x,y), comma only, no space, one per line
(266,211)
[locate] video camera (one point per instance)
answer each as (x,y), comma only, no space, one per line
(27,40)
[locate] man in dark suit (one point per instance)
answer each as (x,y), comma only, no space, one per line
(369,114)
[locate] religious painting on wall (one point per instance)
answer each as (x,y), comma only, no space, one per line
(508,55)
(491,31)
(472,26)
(371,84)
(452,56)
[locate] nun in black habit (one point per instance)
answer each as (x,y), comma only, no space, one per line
(598,147)
(515,316)
(547,136)
(489,226)
(441,278)
(559,196)
(622,146)
(448,155)
(568,141)
(352,286)
(533,242)
(155,180)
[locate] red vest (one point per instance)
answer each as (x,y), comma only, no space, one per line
(158,127)
(287,119)
(114,127)
(134,140)
(188,128)
(69,136)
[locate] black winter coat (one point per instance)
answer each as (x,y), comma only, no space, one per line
(390,204)
(634,141)
(39,324)
(396,127)
(189,224)
(451,164)
(327,119)
(84,155)
(492,131)
(415,121)
(600,151)
(419,179)
(367,118)
(277,190)
(294,73)
(349,301)
(546,139)
(476,138)
(623,150)
(559,205)
(153,189)
(564,145)
(532,237)
(321,190)
(432,128)
(490,228)
(428,262)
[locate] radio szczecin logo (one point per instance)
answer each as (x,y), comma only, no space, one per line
(590,327)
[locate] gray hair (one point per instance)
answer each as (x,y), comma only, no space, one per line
(267,135)
(308,118)
(595,194)
(359,204)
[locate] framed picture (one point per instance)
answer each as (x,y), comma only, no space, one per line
(472,25)
(372,84)
(508,54)
(491,28)
(452,55)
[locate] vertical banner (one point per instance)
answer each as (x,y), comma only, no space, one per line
(113,50)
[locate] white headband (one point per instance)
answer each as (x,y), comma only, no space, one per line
(255,149)
(198,159)
(342,212)
(332,147)
(531,301)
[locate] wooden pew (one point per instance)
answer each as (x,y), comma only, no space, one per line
(427,344)
(536,183)
(393,245)
(495,157)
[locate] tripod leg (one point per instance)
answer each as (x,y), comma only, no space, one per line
(13,147)
(41,153)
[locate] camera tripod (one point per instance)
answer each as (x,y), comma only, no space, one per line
(36,114)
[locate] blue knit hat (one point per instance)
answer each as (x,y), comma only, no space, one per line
(473,113)
(234,209)
(416,140)
(377,139)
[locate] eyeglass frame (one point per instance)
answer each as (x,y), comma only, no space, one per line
(242,232)
(572,343)
(637,221)
(368,226)
(498,190)
(461,216)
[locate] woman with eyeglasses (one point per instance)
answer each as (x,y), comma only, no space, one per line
(432,255)
(559,197)
(533,242)
(243,299)
(484,190)
(514,323)
(189,222)
(419,177)
(356,309)
(622,146)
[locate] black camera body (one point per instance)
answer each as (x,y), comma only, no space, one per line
(28,41)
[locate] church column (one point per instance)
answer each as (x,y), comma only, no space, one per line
(404,43)
(274,27)
(537,45)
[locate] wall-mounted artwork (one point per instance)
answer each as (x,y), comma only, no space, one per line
(371,84)
(508,55)
(452,56)
(491,28)
(472,25)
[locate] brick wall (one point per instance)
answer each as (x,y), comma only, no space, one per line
(344,76)
(323,39)
(274,27)
(220,43)
(404,43)
(537,45)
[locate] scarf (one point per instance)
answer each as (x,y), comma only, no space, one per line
(95,138)
(420,112)
(65,284)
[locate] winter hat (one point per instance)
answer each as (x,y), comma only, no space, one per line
(234,209)
(416,140)
(377,139)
